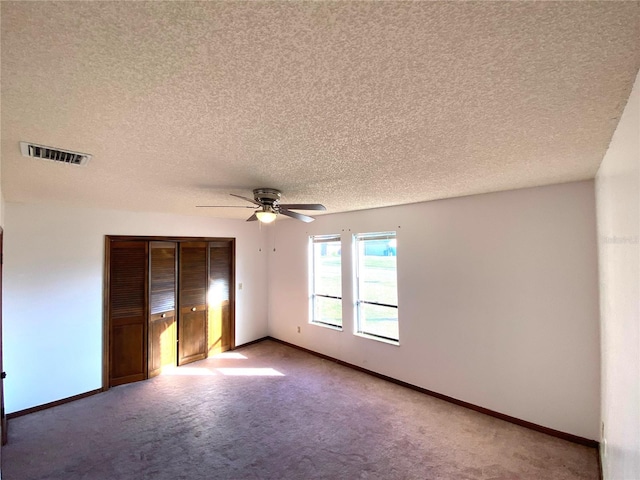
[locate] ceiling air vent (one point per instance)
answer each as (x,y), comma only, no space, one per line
(54,154)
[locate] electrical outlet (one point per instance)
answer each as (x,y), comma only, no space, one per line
(240,286)
(298,329)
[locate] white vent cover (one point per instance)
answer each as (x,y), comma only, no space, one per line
(54,154)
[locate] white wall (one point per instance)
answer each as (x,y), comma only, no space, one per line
(498,301)
(618,212)
(498,298)
(53,281)
(1,202)
(1,225)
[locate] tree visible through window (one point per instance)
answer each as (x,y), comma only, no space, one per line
(326,281)
(376,285)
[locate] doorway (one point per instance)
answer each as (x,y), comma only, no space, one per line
(168,301)
(3,416)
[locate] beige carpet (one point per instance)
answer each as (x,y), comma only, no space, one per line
(268,411)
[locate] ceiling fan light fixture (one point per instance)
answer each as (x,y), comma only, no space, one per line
(266,216)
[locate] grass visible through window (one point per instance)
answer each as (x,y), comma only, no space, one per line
(327,281)
(377,291)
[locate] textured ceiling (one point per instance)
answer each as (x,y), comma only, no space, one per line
(350,104)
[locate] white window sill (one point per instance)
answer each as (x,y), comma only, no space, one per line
(378,339)
(326,325)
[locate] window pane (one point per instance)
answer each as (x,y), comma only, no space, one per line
(327,270)
(379,321)
(377,276)
(377,284)
(327,310)
(326,280)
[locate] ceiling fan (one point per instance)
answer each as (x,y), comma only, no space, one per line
(267,204)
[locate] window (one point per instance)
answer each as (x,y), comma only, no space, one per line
(326,280)
(376,285)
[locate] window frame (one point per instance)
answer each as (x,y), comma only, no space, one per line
(313,241)
(359,330)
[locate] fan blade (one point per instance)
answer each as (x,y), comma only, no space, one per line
(223,206)
(252,218)
(296,215)
(246,198)
(302,206)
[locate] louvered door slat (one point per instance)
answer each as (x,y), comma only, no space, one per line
(128,270)
(162,277)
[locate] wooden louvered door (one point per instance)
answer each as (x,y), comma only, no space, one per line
(162,306)
(127,312)
(192,319)
(220,314)
(3,416)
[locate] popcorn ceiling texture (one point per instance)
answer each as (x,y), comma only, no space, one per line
(351,104)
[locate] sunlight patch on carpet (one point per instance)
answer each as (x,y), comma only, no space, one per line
(231,355)
(251,372)
(187,371)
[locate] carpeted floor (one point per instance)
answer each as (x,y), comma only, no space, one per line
(268,411)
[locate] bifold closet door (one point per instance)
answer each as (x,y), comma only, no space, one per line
(192,286)
(127,312)
(162,306)
(220,314)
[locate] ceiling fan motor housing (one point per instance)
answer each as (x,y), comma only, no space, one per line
(267,196)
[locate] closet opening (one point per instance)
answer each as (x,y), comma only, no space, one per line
(168,301)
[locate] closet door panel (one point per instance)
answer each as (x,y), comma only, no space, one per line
(221,282)
(192,321)
(127,312)
(162,306)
